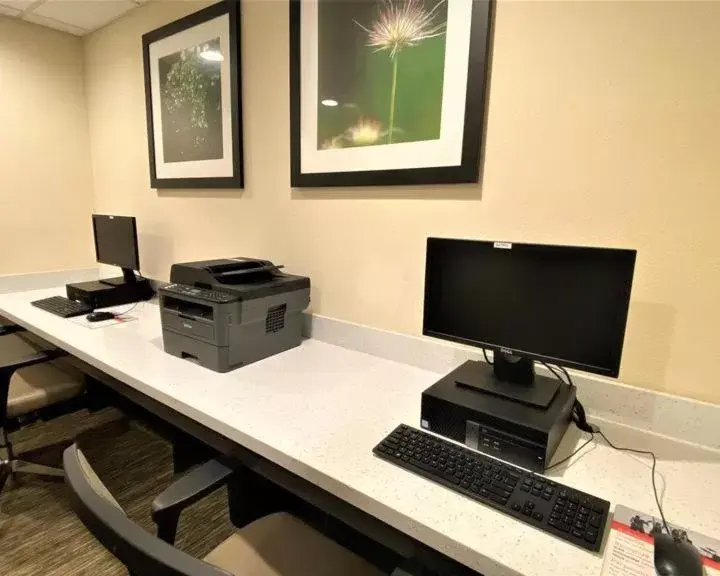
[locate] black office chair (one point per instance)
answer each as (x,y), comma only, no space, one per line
(34,384)
(276,545)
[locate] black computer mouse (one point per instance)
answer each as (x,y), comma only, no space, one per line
(99,316)
(676,557)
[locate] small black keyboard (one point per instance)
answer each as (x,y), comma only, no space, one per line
(569,514)
(61,306)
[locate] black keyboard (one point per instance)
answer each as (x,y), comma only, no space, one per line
(61,306)
(569,514)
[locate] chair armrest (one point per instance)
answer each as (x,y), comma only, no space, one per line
(38,358)
(10,329)
(187,490)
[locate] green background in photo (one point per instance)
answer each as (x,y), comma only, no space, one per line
(359,78)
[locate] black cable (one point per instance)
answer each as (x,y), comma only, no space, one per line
(553,371)
(567,375)
(580,413)
(486,357)
(127,311)
(654,465)
(592,437)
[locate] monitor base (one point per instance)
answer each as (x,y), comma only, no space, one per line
(483,378)
(128,277)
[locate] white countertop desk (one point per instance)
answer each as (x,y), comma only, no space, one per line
(319,409)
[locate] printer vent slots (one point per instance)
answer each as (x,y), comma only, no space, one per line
(275,319)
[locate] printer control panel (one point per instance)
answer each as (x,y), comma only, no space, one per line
(210,295)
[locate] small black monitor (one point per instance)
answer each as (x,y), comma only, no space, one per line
(116,243)
(557,304)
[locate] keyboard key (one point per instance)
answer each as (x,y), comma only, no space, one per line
(594,520)
(499,492)
(516,507)
(538,516)
(497,498)
(591,535)
(578,533)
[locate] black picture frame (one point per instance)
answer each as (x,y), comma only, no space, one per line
(474,120)
(236,180)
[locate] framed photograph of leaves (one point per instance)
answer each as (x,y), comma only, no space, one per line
(193,101)
(387,92)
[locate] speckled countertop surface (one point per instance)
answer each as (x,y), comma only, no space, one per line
(318,410)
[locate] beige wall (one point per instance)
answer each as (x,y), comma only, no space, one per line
(45,179)
(603,129)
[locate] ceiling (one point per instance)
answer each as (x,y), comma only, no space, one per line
(78,17)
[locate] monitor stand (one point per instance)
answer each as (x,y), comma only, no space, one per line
(128,277)
(510,377)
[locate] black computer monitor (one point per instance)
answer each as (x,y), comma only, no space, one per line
(116,244)
(557,304)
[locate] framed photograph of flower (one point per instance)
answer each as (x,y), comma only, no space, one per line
(387,92)
(192,97)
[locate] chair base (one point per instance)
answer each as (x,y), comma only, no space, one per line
(12,464)
(24,467)
(12,468)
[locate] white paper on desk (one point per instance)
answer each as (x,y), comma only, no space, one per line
(630,550)
(121,319)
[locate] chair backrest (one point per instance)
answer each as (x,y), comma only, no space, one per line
(141,552)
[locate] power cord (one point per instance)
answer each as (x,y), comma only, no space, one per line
(580,419)
(592,437)
(122,313)
(486,357)
(654,465)
(569,383)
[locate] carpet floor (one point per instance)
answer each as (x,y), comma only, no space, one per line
(39,533)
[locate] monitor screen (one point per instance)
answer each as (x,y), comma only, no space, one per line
(116,241)
(564,305)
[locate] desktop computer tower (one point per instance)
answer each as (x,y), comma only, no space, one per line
(501,427)
(103,293)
